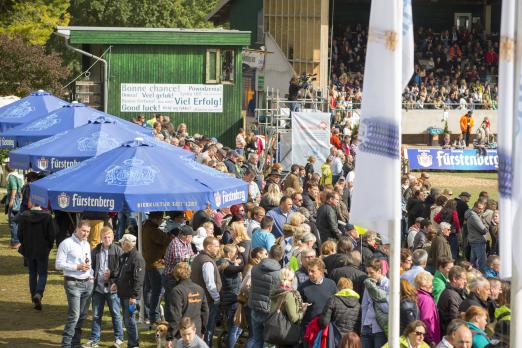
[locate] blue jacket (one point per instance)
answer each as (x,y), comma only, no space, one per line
(279,220)
(480,339)
(263,238)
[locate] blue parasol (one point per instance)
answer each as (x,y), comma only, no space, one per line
(57,121)
(31,107)
(138,176)
(71,147)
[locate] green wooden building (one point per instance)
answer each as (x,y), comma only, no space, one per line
(191,75)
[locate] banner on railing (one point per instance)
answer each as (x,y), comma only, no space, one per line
(310,136)
(439,159)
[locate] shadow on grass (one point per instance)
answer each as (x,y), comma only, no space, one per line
(12,264)
(14,315)
(26,342)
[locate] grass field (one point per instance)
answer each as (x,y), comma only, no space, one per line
(22,326)
(473,183)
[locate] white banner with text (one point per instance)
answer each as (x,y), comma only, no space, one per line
(155,97)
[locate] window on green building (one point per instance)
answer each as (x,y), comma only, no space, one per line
(227,68)
(220,66)
(212,66)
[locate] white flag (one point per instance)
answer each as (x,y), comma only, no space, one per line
(376,197)
(506,108)
(407,43)
(513,48)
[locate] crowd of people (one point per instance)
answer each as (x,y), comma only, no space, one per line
(287,268)
(454,69)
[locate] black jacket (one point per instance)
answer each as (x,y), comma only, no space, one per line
(462,208)
(131,275)
(36,232)
(354,274)
(335,261)
(187,299)
(230,280)
(409,312)
(115,252)
(327,223)
(265,278)
(415,208)
(343,310)
(368,251)
(310,204)
(472,300)
(449,303)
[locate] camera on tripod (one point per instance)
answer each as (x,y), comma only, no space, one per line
(305,80)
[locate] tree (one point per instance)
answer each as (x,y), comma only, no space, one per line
(142,13)
(35,20)
(25,68)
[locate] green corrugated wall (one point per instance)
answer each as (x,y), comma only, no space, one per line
(176,64)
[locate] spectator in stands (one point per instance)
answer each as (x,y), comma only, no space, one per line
(476,235)
(477,319)
(280,215)
(265,279)
(374,306)
(458,335)
(452,296)
(427,307)
(444,265)
(420,260)
(343,308)
(479,294)
(409,311)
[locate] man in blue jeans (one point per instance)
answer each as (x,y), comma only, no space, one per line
(205,274)
(105,263)
(36,232)
(155,243)
(129,284)
(74,259)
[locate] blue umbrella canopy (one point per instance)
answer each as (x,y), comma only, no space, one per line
(68,117)
(31,107)
(138,176)
(71,147)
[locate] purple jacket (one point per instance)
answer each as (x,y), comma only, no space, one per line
(429,315)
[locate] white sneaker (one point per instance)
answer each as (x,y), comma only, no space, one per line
(117,343)
(91,344)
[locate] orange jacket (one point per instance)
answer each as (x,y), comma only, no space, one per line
(464,123)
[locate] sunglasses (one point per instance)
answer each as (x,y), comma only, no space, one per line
(418,333)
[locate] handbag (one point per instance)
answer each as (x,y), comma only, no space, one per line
(239,317)
(278,329)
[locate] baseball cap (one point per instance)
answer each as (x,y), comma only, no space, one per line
(127,237)
(186,230)
(350,227)
(465,194)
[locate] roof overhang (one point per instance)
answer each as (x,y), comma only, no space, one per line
(220,13)
(154,36)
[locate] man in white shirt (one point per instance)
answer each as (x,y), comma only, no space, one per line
(337,166)
(74,259)
(255,223)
